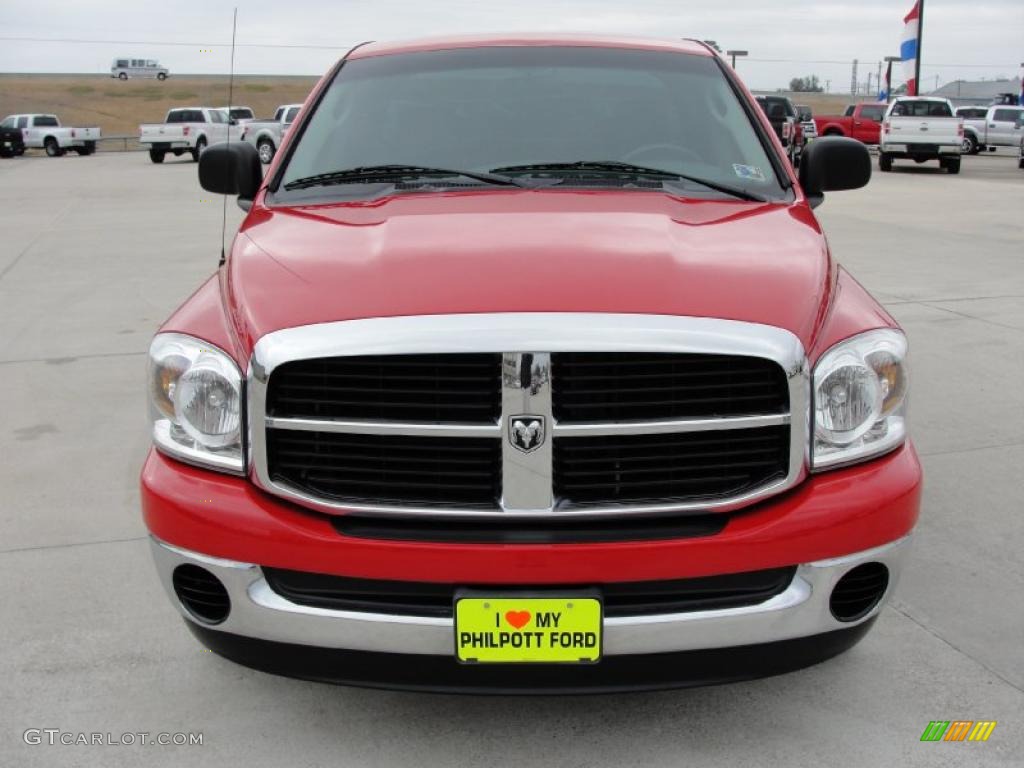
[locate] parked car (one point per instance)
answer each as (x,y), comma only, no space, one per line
(782,115)
(805,120)
(266,135)
(185,129)
(860,121)
(1020,146)
(997,127)
(490,402)
(11,141)
(40,131)
(974,123)
(125,68)
(921,128)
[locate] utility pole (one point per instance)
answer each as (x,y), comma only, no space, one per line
(878,79)
(920,39)
(828,86)
(853,78)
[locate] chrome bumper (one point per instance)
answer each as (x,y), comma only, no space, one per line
(802,610)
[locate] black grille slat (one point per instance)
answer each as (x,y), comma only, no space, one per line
(440,388)
(619,598)
(623,386)
(381,469)
(673,467)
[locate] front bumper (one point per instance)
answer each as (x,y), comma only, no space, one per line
(826,526)
(789,631)
(802,610)
(912,150)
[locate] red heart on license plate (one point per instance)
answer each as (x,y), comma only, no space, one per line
(517,619)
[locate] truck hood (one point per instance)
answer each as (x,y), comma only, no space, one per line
(529,251)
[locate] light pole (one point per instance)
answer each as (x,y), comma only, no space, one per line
(734,54)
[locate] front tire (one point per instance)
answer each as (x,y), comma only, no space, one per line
(969,146)
(884,162)
(266,149)
(200,148)
(52,147)
(161,75)
(122,76)
(156,155)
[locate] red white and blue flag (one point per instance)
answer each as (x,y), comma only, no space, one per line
(885,87)
(908,47)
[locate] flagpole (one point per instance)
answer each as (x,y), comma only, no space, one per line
(920,36)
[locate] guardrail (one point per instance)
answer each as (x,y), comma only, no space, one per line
(127,142)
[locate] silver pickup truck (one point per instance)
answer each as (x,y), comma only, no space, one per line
(266,135)
(921,128)
(997,127)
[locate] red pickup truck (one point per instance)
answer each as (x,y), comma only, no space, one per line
(860,121)
(529,369)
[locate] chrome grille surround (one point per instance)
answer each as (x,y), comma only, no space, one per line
(528,476)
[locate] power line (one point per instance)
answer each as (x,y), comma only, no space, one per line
(176,43)
(346,46)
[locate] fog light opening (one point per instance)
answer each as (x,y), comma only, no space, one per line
(857,593)
(202,593)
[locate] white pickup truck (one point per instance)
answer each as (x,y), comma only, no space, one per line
(185,129)
(921,128)
(997,127)
(266,135)
(46,132)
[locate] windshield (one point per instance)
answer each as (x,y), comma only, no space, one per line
(921,109)
(487,108)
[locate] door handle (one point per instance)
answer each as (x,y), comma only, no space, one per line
(991,125)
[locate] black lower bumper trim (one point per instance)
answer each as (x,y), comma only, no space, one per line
(414,672)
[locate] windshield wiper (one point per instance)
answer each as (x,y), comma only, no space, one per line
(627,169)
(375,173)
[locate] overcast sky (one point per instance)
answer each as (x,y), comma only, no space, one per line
(962,39)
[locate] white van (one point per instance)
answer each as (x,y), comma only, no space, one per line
(122,69)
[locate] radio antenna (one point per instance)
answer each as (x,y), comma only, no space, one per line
(231,104)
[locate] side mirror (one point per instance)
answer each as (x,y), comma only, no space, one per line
(232,169)
(233,121)
(831,164)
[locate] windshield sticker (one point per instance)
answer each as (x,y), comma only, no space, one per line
(748,172)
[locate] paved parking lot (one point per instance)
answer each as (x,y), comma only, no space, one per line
(96,251)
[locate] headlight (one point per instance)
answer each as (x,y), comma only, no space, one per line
(196,402)
(860,399)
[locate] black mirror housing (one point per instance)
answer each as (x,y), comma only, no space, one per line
(831,164)
(231,169)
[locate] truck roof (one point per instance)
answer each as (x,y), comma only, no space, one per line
(547,39)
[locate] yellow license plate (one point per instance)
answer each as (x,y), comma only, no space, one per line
(559,630)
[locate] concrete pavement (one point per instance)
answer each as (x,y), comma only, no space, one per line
(96,251)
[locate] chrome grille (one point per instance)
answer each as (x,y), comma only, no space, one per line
(612,415)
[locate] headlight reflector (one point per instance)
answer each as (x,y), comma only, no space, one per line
(860,395)
(196,402)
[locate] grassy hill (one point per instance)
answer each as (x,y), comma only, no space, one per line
(119,106)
